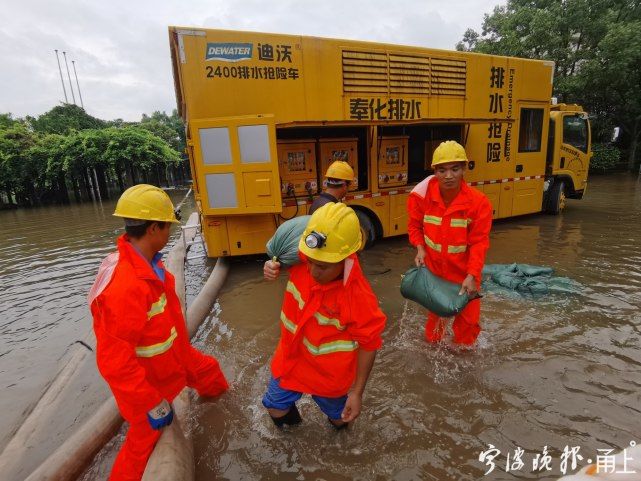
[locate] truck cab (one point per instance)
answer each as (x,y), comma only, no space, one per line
(568,156)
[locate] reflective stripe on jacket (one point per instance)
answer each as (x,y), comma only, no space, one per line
(456,238)
(322,328)
(143,349)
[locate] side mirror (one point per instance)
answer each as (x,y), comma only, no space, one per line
(615,134)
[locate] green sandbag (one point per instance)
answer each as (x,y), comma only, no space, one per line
(532,271)
(521,269)
(433,293)
(508,280)
(284,243)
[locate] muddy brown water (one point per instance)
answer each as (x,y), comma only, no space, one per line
(548,372)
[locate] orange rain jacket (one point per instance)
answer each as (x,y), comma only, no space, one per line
(456,238)
(143,349)
(322,328)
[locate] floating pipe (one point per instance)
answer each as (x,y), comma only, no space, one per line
(14,458)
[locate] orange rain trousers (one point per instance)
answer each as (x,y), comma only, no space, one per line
(466,325)
(141,439)
(132,459)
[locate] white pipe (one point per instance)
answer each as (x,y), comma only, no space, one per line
(14,460)
(173,456)
(69,461)
(201,306)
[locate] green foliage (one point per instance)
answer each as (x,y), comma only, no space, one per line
(47,153)
(138,147)
(16,166)
(116,149)
(610,82)
(170,128)
(6,121)
(65,147)
(606,157)
(64,119)
(162,131)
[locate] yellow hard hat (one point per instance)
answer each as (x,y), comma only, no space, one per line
(449,151)
(145,202)
(332,234)
(339,169)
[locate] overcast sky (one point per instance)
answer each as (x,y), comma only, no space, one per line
(121,47)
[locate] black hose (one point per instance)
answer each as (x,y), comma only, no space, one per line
(295,213)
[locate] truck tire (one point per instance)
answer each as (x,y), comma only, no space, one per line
(556,198)
(367,229)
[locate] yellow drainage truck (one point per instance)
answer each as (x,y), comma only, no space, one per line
(265,114)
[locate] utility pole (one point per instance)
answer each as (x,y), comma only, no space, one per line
(73,64)
(64,54)
(61,79)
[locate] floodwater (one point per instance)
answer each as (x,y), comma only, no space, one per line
(548,373)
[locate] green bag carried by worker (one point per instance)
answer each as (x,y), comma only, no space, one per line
(284,243)
(433,293)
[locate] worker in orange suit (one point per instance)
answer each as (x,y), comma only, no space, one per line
(449,225)
(330,322)
(143,349)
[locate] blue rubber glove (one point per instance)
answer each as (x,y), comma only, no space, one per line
(161,416)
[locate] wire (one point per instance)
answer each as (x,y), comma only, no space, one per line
(295,213)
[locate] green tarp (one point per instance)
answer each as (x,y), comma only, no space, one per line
(435,294)
(284,243)
(526,279)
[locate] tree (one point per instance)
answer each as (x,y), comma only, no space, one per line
(64,119)
(470,39)
(126,155)
(7,121)
(18,173)
(85,162)
(163,131)
(135,150)
(41,159)
(160,124)
(46,156)
(611,82)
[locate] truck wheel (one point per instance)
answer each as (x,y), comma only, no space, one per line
(556,198)
(367,230)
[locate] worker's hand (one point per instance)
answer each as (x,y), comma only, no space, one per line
(271,270)
(161,416)
(419,260)
(352,407)
(468,287)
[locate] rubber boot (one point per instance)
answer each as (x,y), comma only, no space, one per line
(291,418)
(338,428)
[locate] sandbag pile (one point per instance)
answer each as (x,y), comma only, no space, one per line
(527,279)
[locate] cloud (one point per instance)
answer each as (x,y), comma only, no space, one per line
(121,47)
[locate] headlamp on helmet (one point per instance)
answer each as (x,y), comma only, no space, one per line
(315,240)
